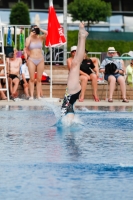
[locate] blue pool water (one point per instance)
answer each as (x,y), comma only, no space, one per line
(92,159)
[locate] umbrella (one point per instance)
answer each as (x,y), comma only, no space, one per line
(55,37)
(9,37)
(21,40)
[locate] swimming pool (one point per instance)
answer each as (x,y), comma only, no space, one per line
(89,160)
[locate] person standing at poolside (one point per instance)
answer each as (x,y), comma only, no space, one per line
(73,86)
(35,58)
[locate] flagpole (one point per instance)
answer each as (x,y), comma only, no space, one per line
(65,30)
(51,78)
(55,37)
(50,1)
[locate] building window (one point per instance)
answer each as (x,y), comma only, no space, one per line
(41,4)
(115,5)
(127,5)
(28,2)
(7,3)
(58,4)
(11,3)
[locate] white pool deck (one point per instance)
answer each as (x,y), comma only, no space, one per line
(44,101)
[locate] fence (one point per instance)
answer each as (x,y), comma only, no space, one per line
(13,35)
(15,31)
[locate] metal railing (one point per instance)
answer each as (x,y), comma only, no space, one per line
(16,30)
(57,52)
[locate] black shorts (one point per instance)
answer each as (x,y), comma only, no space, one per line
(22,82)
(2,82)
(13,76)
(69,100)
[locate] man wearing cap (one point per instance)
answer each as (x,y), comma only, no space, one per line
(113,71)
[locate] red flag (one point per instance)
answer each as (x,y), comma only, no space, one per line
(55,35)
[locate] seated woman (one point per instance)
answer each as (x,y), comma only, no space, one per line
(129,73)
(89,72)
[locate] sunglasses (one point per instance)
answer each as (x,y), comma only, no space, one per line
(131,63)
(73,51)
(111,52)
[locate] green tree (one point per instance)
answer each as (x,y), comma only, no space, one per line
(89,10)
(20,14)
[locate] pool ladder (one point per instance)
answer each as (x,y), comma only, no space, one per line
(3,64)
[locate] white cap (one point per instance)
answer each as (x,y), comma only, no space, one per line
(73,48)
(111,49)
(130,53)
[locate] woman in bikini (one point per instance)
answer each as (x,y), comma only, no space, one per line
(35,58)
(73,86)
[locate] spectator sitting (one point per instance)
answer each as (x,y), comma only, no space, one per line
(2,84)
(24,78)
(89,72)
(13,68)
(129,72)
(113,72)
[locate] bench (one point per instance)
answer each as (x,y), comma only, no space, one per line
(59,83)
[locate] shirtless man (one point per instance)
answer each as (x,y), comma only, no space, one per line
(13,69)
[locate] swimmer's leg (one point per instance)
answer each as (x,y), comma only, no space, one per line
(73,77)
(73,86)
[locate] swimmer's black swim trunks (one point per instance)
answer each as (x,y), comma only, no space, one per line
(69,100)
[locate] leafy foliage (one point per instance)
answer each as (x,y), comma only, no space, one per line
(20,14)
(99,45)
(89,10)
